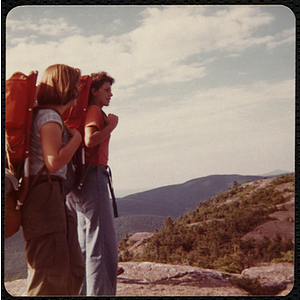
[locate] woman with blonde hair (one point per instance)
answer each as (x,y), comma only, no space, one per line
(55,262)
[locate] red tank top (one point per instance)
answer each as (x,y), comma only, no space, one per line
(95,117)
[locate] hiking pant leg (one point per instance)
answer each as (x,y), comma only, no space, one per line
(55,263)
(97,235)
(81,229)
(77,266)
(82,242)
(48,265)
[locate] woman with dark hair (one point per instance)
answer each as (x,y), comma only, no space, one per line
(96,231)
(55,262)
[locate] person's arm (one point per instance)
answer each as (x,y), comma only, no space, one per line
(56,156)
(93,136)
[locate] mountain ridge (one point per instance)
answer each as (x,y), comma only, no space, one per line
(276,172)
(175,200)
(130,192)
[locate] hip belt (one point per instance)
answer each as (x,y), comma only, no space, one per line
(111,189)
(46,178)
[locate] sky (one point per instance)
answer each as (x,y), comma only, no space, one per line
(199,90)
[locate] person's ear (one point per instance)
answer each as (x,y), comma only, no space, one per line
(94,91)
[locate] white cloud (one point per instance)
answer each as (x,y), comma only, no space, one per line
(219,112)
(210,130)
(152,53)
(22,40)
(245,129)
(44,26)
(285,37)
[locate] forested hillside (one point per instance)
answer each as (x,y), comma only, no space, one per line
(212,235)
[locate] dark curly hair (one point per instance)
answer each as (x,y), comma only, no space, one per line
(98,79)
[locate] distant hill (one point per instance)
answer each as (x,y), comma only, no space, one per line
(135,223)
(276,172)
(176,200)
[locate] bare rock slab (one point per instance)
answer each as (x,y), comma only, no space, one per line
(150,279)
(275,277)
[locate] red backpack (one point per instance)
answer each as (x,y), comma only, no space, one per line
(74,118)
(20,99)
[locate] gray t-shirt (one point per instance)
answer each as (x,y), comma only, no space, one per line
(40,118)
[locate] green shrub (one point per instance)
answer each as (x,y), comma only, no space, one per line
(286,257)
(283,179)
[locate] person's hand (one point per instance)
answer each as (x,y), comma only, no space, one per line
(74,133)
(112,120)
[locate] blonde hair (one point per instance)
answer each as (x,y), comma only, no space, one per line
(58,85)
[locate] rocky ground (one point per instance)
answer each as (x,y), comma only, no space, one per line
(283,225)
(150,279)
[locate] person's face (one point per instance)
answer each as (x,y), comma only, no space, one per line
(103,94)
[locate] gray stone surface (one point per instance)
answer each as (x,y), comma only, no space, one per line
(151,279)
